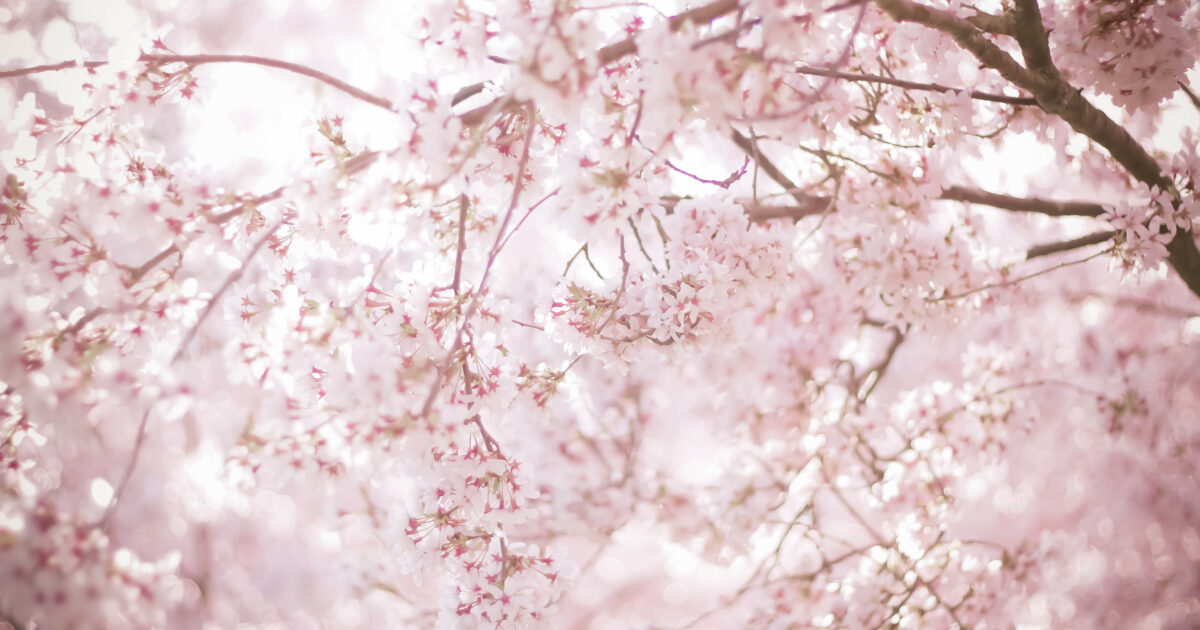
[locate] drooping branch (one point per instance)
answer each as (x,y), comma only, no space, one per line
(912,85)
(814,204)
(196,60)
(180,351)
(236,274)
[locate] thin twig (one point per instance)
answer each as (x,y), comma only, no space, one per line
(462,241)
(772,171)
(1190,94)
(699,15)
(914,85)
(128,473)
(816,96)
(875,373)
(997,285)
(638,237)
(216,298)
(620,291)
(179,352)
(528,212)
(518,186)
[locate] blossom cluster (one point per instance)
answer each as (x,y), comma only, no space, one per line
(1134,52)
(717,270)
(590,317)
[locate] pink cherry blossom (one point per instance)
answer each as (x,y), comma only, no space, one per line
(532,314)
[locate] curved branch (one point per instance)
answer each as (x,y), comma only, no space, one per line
(1059,98)
(1017,280)
(963,32)
(813,204)
(196,60)
(913,85)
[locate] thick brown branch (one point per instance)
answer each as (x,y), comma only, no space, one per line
(1031,36)
(1059,98)
(1023,204)
(1095,238)
(813,204)
(994,24)
(913,85)
(963,32)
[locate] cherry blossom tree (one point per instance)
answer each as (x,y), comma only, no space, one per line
(586,314)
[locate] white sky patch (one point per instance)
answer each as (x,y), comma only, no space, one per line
(1179,114)
(114,17)
(101,492)
(58,40)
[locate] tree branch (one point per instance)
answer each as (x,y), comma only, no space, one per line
(1059,98)
(913,85)
(462,242)
(1031,36)
(963,32)
(803,199)
(762,212)
(233,277)
(813,204)
(875,373)
(614,52)
(1095,238)
(1007,283)
(1023,204)
(196,60)
(701,14)
(994,24)
(1190,94)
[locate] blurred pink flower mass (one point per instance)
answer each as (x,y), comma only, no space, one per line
(457,314)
